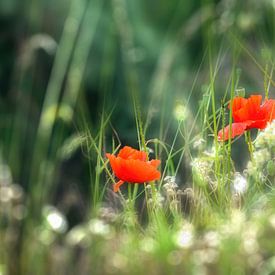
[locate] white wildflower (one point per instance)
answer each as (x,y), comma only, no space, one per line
(240,184)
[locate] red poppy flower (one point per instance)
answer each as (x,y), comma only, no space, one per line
(247,114)
(132,166)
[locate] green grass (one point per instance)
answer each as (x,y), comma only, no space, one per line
(212,211)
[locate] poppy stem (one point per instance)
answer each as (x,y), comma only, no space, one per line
(249,144)
(135,192)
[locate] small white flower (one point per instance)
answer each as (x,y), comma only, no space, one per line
(199,143)
(78,235)
(212,238)
(98,227)
(240,184)
(185,236)
(181,112)
(55,219)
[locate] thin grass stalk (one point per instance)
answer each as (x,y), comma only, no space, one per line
(81,52)
(248,52)
(45,127)
(96,187)
(53,92)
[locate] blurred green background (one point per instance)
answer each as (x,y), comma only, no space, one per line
(65,62)
(76,75)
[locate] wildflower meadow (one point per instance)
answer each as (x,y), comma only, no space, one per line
(137,137)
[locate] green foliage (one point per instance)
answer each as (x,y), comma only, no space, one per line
(81,78)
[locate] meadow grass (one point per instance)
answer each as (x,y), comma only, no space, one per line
(211,212)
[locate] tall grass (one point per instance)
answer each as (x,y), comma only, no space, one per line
(206,215)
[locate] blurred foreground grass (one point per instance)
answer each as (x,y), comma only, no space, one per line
(81,78)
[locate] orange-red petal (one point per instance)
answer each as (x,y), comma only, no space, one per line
(238,103)
(253,107)
(155,162)
(248,114)
(134,170)
(117,185)
(128,152)
(236,130)
(247,109)
(268,108)
(138,171)
(258,124)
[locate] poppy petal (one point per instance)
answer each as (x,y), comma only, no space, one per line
(117,185)
(138,171)
(253,107)
(255,101)
(128,152)
(258,124)
(247,109)
(132,166)
(236,130)
(238,103)
(115,165)
(155,162)
(269,109)
(112,160)
(241,115)
(238,109)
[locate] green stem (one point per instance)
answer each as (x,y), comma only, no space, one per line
(250,145)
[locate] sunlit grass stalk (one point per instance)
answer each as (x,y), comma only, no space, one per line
(79,60)
(52,101)
(96,184)
(53,92)
(75,74)
(253,58)
(142,144)
(131,74)
(81,52)
(224,150)
(45,126)
(267,81)
(232,92)
(95,145)
(215,128)
(249,144)
(124,28)
(169,161)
